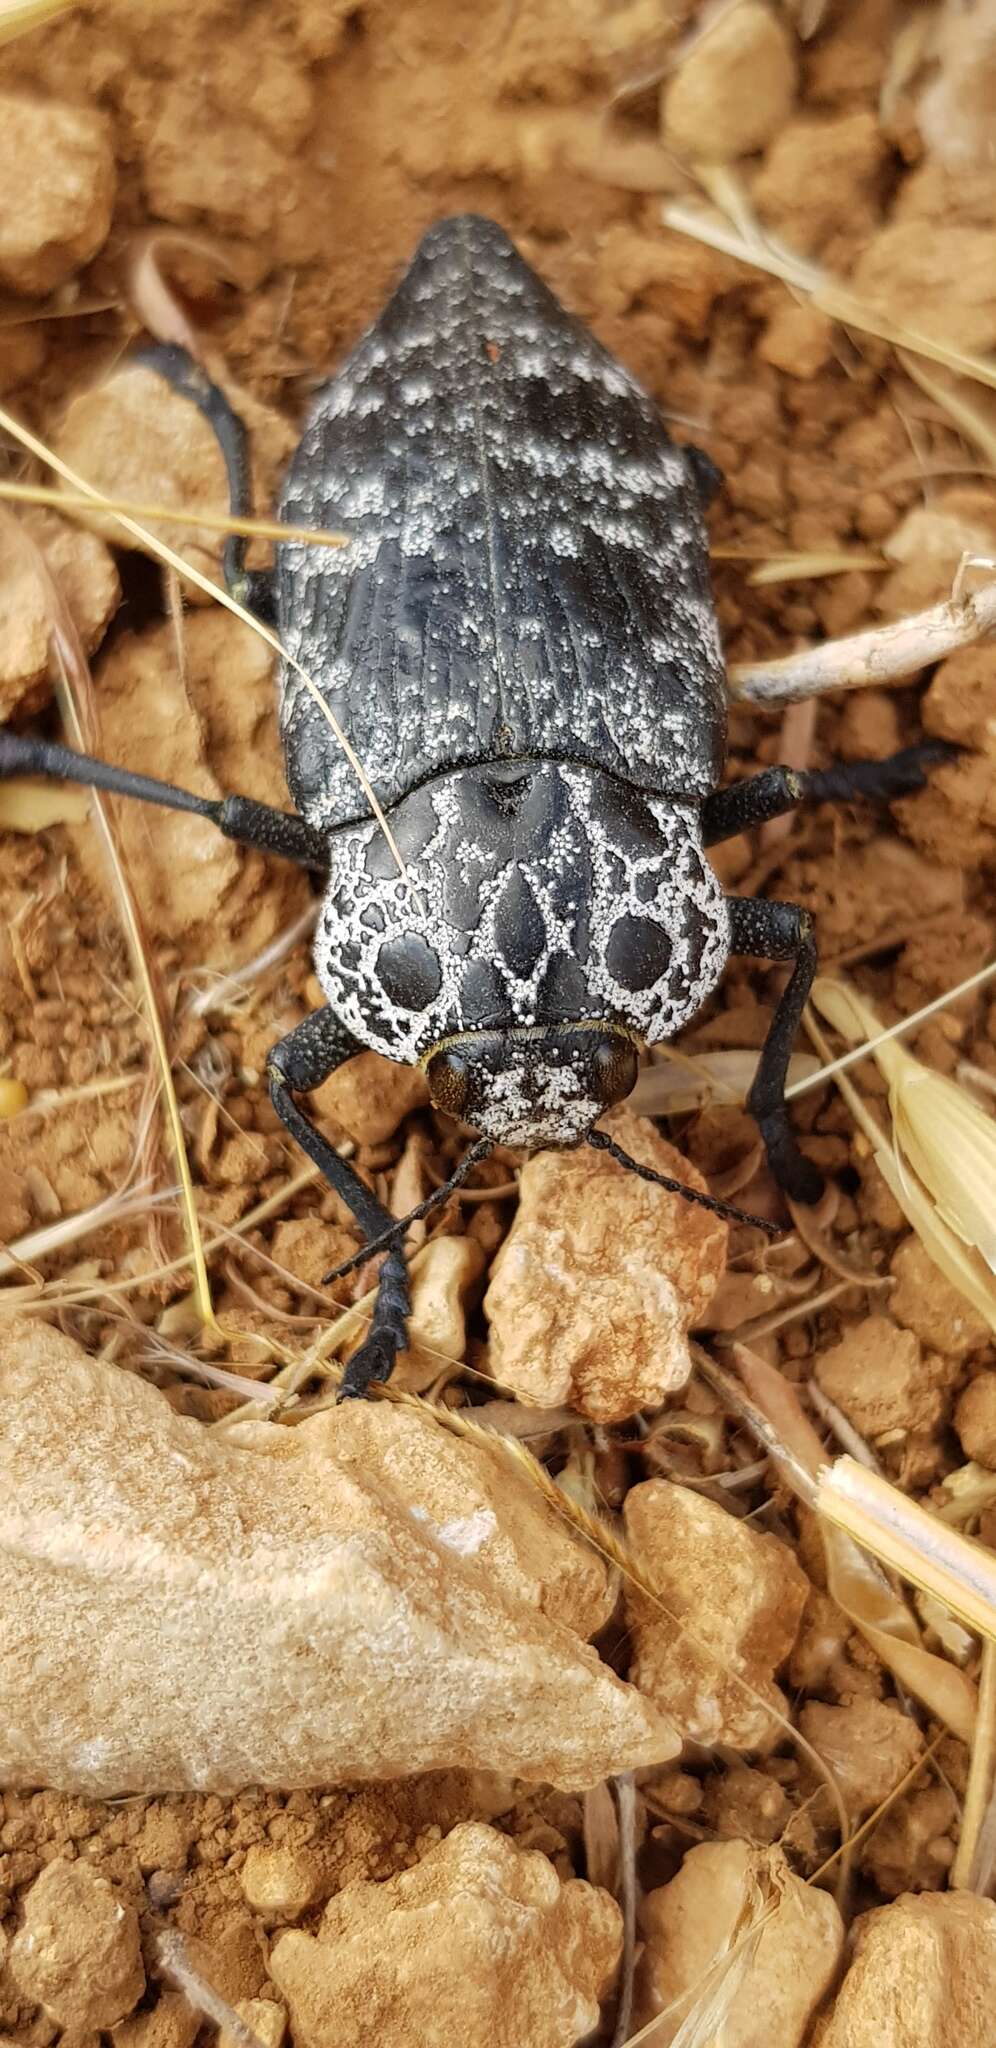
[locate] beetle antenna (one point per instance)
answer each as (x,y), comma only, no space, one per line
(397,1231)
(603,1143)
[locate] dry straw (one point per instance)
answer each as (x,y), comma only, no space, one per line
(940,1162)
(18,16)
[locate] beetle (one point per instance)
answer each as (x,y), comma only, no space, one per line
(521,644)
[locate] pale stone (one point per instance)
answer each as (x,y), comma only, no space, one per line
(923,1976)
(690,1925)
(923,1300)
(879,1377)
(370,1096)
(171,2023)
(480,1942)
(192,1609)
(134,437)
(267,2020)
(442,1286)
(975,1419)
(734,90)
(57,183)
(741,1595)
(87,580)
(939,284)
(868,1744)
(601,1277)
(78,1953)
(280,1883)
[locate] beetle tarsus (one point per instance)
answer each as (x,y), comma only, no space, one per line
(388,1332)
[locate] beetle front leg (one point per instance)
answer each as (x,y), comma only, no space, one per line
(302,1061)
(779,931)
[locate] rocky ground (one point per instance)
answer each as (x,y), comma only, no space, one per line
(305,1676)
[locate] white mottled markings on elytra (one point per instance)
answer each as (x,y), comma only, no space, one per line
(527,575)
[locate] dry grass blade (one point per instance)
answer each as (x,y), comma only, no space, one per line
(854,1580)
(677,1081)
(213,522)
(959,1264)
(158,547)
(18,16)
(828,1071)
(922,1548)
(978,1790)
(815,563)
(972,416)
(625,1791)
(76,703)
(942,1134)
(825,293)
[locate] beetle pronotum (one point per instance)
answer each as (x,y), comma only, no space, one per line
(521,645)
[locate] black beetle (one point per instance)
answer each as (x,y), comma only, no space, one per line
(521,645)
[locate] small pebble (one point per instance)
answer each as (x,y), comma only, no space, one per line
(923,1975)
(78,1953)
(708,110)
(57,183)
(479,1943)
(691,1923)
(742,1594)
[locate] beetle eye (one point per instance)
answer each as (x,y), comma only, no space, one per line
(449,1082)
(614,1067)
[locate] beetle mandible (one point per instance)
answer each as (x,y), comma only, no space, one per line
(520,643)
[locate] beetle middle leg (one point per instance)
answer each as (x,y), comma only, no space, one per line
(302,1061)
(239,817)
(777,790)
(768,930)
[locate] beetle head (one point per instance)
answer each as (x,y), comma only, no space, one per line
(535,1085)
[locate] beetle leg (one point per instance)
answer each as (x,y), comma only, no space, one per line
(302,1061)
(250,587)
(238,817)
(779,931)
(777,790)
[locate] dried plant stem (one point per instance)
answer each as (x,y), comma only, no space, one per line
(978,1790)
(832,1068)
(824,293)
(152,1007)
(18,16)
(176,1963)
(883,654)
(925,1551)
(625,1790)
(171,515)
(21,434)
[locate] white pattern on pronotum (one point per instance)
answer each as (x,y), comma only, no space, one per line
(670,885)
